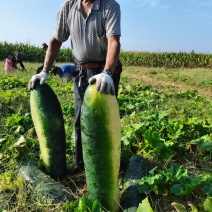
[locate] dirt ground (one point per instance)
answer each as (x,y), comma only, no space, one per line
(160,84)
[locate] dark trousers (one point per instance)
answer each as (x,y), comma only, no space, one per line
(80,85)
(39,69)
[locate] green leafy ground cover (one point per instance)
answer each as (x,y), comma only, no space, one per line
(171,129)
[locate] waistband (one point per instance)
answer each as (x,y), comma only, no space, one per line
(91,65)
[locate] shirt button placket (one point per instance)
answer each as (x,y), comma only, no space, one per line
(85,34)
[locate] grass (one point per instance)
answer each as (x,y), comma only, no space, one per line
(197,76)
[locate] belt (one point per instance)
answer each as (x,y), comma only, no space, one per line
(90,65)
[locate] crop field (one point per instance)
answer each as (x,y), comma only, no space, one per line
(166,117)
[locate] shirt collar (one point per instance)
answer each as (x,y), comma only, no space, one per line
(96,5)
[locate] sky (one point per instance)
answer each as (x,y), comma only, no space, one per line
(146,25)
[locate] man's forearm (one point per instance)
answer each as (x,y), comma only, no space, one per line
(112,53)
(51,54)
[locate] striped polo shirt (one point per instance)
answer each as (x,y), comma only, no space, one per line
(88,35)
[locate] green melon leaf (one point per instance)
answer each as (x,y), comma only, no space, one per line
(208,204)
(145,206)
(208,190)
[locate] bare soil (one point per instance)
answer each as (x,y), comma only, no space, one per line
(161,84)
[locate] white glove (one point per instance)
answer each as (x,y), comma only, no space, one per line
(42,76)
(104,83)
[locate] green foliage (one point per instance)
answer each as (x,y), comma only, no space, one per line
(208,204)
(186,185)
(9,182)
(84,204)
(15,121)
(161,181)
(204,142)
(148,126)
(11,82)
(175,180)
(144,206)
(171,129)
(207,189)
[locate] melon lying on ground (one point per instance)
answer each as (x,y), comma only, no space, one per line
(45,189)
(101,137)
(136,169)
(49,125)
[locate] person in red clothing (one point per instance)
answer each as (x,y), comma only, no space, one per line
(11,63)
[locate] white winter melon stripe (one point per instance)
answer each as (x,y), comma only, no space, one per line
(37,116)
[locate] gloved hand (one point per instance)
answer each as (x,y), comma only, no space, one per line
(42,76)
(104,83)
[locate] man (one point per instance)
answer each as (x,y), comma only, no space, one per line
(66,71)
(20,61)
(94,29)
(44,47)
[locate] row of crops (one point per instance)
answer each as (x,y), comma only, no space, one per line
(147,59)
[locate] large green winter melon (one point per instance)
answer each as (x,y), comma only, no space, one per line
(101,137)
(49,125)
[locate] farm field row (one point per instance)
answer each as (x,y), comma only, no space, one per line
(198,79)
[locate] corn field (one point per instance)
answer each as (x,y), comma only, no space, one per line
(32,53)
(167,59)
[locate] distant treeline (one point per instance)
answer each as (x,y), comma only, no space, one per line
(32,53)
